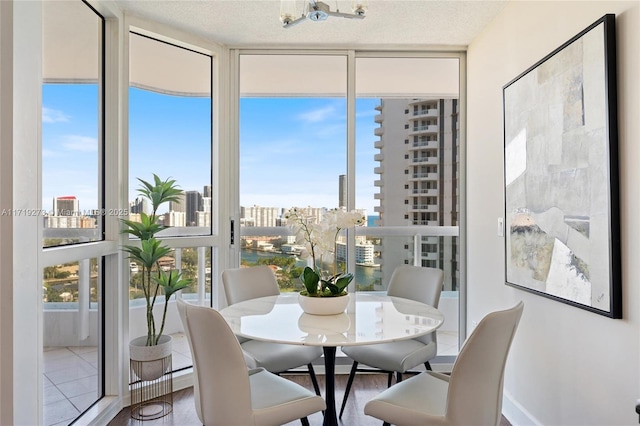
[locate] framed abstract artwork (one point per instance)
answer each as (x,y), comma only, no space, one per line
(561,174)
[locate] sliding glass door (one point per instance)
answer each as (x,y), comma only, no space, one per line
(387,146)
(293,153)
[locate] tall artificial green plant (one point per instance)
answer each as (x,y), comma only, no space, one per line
(151,251)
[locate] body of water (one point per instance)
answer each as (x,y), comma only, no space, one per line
(364,275)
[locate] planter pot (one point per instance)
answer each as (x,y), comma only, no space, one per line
(149,361)
(323,305)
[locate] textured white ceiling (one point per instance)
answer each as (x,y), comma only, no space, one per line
(387,23)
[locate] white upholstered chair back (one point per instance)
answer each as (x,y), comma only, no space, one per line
(420,284)
(224,390)
(242,284)
(477,377)
(182,310)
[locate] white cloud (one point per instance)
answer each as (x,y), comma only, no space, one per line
(54,116)
(317,115)
(80,143)
(50,153)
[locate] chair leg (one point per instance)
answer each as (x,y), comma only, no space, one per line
(314,380)
(427,365)
(389,378)
(304,421)
(398,377)
(352,374)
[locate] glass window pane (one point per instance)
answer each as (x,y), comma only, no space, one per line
(407,161)
(170,131)
(71,339)
(195,265)
(293,151)
(71,125)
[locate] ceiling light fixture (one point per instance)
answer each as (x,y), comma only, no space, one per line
(317,11)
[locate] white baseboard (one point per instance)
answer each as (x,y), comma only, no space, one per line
(101,413)
(517,415)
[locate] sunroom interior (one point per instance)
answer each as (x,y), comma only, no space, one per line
(223,75)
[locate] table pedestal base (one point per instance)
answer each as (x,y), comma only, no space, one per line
(330,417)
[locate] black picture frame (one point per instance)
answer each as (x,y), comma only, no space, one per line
(561,174)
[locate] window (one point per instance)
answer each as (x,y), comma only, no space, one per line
(72,210)
(171,135)
(72,199)
(382,125)
(170,131)
(293,153)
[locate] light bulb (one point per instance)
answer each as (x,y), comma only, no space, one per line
(359,7)
(287,11)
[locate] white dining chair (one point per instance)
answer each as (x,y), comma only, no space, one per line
(242,284)
(182,311)
(410,282)
(229,394)
(471,395)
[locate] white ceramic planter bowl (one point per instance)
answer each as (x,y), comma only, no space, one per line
(149,363)
(323,305)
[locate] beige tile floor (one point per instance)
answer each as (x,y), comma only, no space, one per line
(70,382)
(71,375)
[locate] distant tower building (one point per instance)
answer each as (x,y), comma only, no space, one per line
(206,191)
(139,205)
(203,217)
(206,204)
(314,214)
(172,218)
(342,191)
(419,151)
(178,206)
(259,216)
(66,206)
(364,252)
(193,204)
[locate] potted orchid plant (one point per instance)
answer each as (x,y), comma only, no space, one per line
(320,241)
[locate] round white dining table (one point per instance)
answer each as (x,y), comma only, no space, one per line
(370,318)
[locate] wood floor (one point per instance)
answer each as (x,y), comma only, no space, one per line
(365,387)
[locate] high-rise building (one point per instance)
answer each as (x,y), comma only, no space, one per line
(206,191)
(260,216)
(193,205)
(178,206)
(66,206)
(173,218)
(419,143)
(342,191)
(139,205)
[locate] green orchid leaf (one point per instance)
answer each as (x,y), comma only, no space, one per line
(310,279)
(343,282)
(336,285)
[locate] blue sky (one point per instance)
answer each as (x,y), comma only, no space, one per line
(292,150)
(70,143)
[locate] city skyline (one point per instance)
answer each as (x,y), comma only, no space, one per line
(292,150)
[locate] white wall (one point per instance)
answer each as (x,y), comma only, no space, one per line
(27,292)
(567,366)
(6,202)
